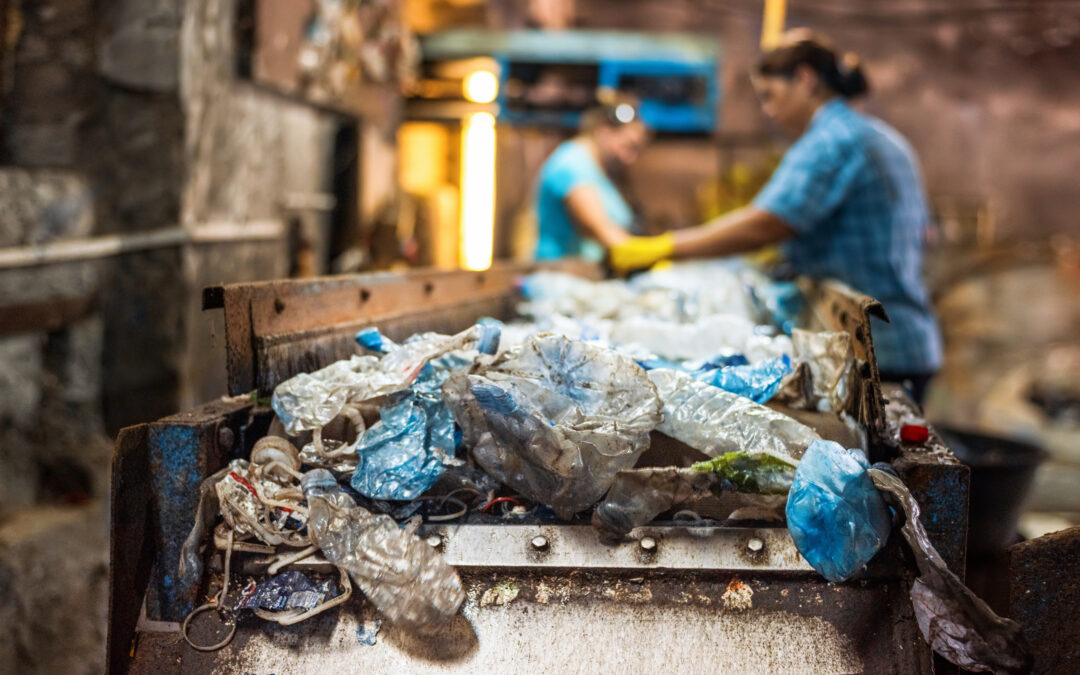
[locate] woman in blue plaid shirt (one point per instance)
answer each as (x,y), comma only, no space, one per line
(846,202)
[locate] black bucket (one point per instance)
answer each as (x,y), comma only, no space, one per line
(1002,471)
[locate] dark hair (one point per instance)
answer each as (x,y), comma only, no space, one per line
(842,74)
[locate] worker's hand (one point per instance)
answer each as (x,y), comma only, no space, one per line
(642,252)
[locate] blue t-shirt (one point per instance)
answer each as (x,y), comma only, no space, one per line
(570,167)
(850,188)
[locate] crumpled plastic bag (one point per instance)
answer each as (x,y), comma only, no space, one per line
(717,422)
(405,452)
(758,382)
(954,622)
(404,577)
(835,515)
(309,401)
(555,419)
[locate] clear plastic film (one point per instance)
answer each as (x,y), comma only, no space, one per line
(954,622)
(830,359)
(555,419)
(404,577)
(639,495)
(717,422)
(309,401)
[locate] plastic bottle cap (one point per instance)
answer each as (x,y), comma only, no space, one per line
(914,433)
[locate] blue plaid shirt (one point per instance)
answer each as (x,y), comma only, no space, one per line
(850,188)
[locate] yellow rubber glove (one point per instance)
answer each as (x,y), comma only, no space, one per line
(642,252)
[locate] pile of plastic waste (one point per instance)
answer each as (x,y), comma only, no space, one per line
(547,418)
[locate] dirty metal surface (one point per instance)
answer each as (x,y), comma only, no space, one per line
(581,621)
(181,451)
(580,547)
(1045,599)
(131,552)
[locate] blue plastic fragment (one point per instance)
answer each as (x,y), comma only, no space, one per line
(836,517)
(494,398)
(758,382)
(489,338)
(374,341)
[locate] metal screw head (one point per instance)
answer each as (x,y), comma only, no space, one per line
(755,545)
(539,542)
(647,544)
(434,541)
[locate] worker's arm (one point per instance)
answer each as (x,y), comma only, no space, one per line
(741,231)
(587,211)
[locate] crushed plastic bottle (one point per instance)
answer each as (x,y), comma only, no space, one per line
(717,422)
(835,515)
(953,621)
(555,419)
(405,578)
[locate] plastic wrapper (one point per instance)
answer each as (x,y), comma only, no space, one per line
(831,361)
(759,382)
(404,577)
(310,401)
(717,422)
(555,419)
(836,517)
(953,621)
(638,496)
(291,590)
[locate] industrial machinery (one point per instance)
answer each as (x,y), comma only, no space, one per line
(673,596)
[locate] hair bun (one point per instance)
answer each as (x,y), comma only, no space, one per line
(853,79)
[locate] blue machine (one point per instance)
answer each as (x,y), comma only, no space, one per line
(674,77)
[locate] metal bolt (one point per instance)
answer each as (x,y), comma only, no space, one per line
(434,541)
(647,544)
(539,542)
(755,545)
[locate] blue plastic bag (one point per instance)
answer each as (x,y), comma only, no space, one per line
(758,382)
(834,513)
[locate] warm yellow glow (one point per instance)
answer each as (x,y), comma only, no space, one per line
(477,191)
(772,24)
(423,148)
(481,86)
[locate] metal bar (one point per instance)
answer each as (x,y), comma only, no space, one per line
(579,547)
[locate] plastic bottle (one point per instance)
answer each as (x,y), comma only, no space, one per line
(404,577)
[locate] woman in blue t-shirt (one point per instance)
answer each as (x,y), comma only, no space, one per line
(578,208)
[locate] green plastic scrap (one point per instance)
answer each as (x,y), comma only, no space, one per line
(758,473)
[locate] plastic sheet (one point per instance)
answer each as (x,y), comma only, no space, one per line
(831,360)
(953,621)
(405,578)
(835,515)
(717,422)
(759,382)
(310,401)
(555,419)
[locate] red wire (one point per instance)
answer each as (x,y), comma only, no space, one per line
(498,500)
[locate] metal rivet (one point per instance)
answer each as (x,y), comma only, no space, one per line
(648,544)
(539,542)
(755,545)
(434,541)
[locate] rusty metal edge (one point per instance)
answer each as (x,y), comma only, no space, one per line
(131,551)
